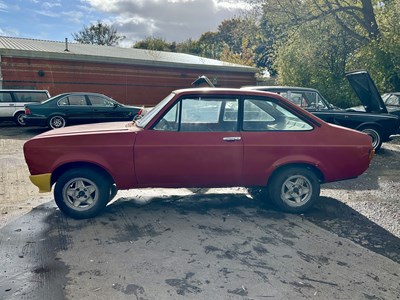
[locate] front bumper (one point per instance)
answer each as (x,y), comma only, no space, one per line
(42,181)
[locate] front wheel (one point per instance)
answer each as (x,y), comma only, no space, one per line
(294,189)
(82,193)
(57,122)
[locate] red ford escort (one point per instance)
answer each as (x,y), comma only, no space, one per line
(205,137)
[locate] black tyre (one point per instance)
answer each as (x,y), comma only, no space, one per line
(82,193)
(375,135)
(57,122)
(19,118)
(294,189)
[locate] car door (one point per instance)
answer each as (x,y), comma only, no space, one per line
(195,143)
(76,108)
(105,109)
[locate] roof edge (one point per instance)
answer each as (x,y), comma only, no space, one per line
(94,58)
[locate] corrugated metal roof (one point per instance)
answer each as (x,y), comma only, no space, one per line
(11,46)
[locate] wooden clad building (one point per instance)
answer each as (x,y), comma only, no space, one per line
(130,76)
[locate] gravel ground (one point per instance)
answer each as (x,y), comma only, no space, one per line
(375,194)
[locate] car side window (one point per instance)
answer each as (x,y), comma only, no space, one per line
(5,97)
(30,97)
(100,101)
(169,122)
(265,115)
(314,100)
(197,114)
(74,100)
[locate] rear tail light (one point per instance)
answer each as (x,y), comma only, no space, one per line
(27,111)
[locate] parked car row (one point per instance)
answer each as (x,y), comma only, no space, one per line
(278,139)
(378,117)
(37,108)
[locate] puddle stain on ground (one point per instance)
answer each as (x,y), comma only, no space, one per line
(185,285)
(131,289)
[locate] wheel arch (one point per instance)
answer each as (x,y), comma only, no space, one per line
(81,165)
(310,167)
(379,130)
(369,125)
(57,113)
(18,111)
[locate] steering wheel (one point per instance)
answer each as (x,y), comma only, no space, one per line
(164,125)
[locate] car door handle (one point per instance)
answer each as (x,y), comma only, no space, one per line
(11,104)
(232,138)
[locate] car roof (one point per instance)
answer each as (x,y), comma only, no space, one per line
(206,90)
(79,93)
(18,90)
(279,87)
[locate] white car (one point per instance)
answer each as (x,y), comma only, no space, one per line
(12,103)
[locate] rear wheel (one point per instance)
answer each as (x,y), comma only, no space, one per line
(82,193)
(294,189)
(57,122)
(375,135)
(19,118)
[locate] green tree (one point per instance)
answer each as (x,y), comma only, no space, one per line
(189,46)
(244,57)
(362,26)
(154,43)
(315,56)
(98,34)
(382,56)
(210,45)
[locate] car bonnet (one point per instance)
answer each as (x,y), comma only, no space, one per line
(366,90)
(94,128)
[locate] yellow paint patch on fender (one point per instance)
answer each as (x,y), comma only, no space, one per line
(42,181)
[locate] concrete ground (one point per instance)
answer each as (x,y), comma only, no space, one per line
(200,244)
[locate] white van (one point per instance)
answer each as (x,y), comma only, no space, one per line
(12,103)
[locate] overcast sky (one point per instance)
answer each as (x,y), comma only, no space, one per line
(172,20)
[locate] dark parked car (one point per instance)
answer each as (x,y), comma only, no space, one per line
(77,108)
(392,102)
(374,120)
(205,137)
